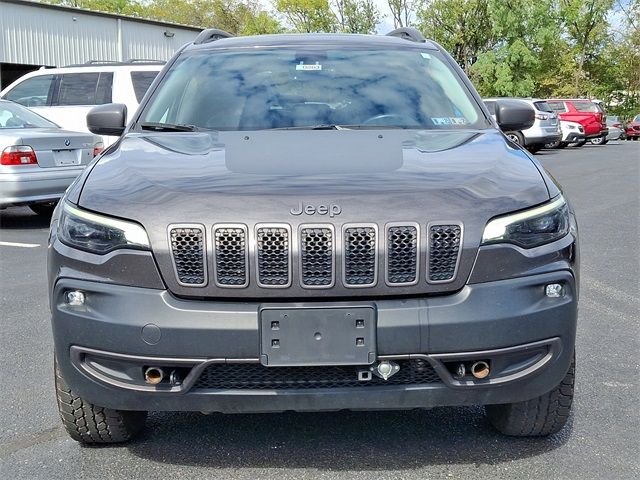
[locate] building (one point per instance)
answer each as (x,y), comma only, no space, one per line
(35,35)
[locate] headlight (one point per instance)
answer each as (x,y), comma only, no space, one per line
(98,233)
(532,227)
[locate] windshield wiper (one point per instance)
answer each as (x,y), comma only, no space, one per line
(167,127)
(333,126)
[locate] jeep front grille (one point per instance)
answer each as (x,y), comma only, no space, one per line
(188,252)
(316,257)
(253,376)
(360,256)
(273,256)
(266,255)
(402,254)
(231,255)
(444,252)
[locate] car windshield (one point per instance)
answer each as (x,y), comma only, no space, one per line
(313,87)
(636,119)
(16,116)
(543,106)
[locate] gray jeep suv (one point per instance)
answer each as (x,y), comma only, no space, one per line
(312,222)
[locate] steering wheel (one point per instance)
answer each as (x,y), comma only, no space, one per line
(391,119)
(35,102)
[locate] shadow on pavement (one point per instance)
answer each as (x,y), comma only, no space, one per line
(22,218)
(335,441)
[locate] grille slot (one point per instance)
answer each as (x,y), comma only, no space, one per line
(253,376)
(444,252)
(273,256)
(402,254)
(231,255)
(316,256)
(360,258)
(188,253)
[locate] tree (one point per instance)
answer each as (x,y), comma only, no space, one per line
(308,15)
(463,27)
(402,12)
(356,16)
(586,26)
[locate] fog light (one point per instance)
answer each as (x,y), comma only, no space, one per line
(554,290)
(74,298)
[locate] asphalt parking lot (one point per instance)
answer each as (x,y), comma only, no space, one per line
(601,440)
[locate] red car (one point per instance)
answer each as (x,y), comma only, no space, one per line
(585,112)
(633,128)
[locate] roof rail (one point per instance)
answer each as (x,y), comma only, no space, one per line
(408,33)
(149,61)
(133,61)
(211,35)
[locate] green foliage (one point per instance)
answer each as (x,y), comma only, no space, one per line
(543,48)
(356,16)
(308,16)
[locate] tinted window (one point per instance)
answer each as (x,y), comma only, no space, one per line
(84,89)
(636,118)
(585,106)
(556,106)
(32,92)
(284,87)
(16,116)
(543,106)
(141,82)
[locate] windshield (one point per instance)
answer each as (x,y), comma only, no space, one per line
(636,119)
(16,116)
(290,88)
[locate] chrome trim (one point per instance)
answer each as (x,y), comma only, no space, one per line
(385,252)
(254,244)
(205,247)
(343,245)
(334,250)
(428,249)
(243,227)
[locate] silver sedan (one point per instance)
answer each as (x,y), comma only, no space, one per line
(39,160)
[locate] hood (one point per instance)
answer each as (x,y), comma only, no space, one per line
(379,176)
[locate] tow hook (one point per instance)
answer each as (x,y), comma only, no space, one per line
(385,369)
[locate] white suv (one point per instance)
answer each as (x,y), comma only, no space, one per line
(65,95)
(546,128)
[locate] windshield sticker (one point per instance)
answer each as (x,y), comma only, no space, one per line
(425,55)
(449,120)
(302,66)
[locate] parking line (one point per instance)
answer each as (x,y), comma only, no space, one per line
(23,245)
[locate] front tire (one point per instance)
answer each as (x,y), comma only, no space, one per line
(598,141)
(540,416)
(579,143)
(90,424)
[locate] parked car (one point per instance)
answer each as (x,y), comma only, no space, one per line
(615,130)
(39,160)
(65,95)
(585,112)
(633,128)
(546,128)
(572,134)
(313,222)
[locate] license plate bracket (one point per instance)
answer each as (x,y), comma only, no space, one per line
(66,158)
(318,336)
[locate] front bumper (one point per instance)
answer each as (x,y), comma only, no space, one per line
(542,139)
(103,345)
(44,185)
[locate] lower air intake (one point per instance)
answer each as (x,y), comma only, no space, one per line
(253,376)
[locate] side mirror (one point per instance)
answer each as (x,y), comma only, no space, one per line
(514,115)
(107,119)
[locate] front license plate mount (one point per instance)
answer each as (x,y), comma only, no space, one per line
(317,336)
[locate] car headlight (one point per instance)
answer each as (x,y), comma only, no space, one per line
(530,228)
(98,233)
